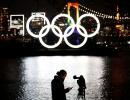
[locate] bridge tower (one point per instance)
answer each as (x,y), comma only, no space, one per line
(73,4)
(117,14)
(73,11)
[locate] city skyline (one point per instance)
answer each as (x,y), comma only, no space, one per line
(52,7)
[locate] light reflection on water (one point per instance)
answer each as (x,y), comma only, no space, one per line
(29,78)
(39,71)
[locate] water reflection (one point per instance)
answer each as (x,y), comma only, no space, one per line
(121,78)
(39,71)
(29,78)
(11,84)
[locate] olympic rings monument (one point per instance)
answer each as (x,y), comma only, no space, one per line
(58,32)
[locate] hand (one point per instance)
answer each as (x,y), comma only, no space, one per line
(69,88)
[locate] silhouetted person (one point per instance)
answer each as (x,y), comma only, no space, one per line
(82,86)
(57,86)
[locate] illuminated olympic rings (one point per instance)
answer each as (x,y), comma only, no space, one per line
(57,31)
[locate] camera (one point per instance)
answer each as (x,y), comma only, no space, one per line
(75,77)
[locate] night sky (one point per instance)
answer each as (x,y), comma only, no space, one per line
(52,7)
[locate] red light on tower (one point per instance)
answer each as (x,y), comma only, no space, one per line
(76,6)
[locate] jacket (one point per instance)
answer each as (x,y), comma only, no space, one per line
(58,91)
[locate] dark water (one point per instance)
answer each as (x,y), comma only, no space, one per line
(28,78)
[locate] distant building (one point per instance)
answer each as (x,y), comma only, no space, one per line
(37,22)
(4,16)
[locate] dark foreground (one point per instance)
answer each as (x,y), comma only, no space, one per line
(28,78)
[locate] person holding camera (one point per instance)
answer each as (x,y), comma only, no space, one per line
(82,86)
(57,86)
